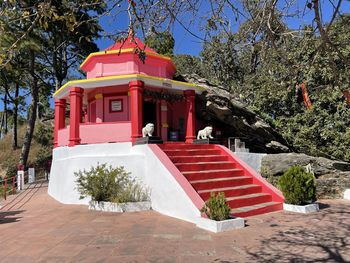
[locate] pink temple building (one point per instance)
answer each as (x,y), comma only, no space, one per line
(120,95)
(107,112)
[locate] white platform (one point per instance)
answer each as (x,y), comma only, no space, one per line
(167,197)
(347,194)
(120,208)
(220,226)
(301,208)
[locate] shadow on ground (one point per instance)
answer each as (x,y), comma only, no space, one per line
(323,237)
(9,216)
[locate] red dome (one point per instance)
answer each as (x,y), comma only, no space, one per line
(130,42)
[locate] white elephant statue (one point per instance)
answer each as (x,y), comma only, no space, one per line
(205,133)
(148,130)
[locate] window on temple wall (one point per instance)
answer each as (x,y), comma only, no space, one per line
(116,108)
(116,105)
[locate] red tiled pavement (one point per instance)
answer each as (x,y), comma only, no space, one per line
(39,229)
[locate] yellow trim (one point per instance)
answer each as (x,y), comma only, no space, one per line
(99,96)
(82,81)
(122,51)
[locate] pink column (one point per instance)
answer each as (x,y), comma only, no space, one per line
(59,121)
(99,107)
(75,98)
(190,118)
(136,108)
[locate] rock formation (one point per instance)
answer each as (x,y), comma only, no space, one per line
(218,107)
(333,176)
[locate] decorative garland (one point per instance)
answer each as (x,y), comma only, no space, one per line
(170,97)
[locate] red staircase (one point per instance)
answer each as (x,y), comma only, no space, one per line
(210,169)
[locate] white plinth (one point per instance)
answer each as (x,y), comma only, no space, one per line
(347,194)
(31,175)
(301,208)
(220,226)
(119,208)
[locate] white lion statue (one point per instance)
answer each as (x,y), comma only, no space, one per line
(148,130)
(205,133)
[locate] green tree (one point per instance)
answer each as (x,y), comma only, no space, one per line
(48,38)
(162,42)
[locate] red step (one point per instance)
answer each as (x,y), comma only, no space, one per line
(221,182)
(198,158)
(248,200)
(192,152)
(187,146)
(209,170)
(184,167)
(232,191)
(257,209)
(212,174)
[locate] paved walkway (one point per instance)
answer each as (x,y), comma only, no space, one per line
(39,229)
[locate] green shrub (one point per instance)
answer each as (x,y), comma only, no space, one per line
(44,134)
(109,184)
(2,190)
(43,156)
(298,186)
(9,190)
(216,207)
(9,165)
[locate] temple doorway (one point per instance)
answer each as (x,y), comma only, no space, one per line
(150,115)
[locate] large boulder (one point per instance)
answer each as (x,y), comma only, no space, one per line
(332,176)
(226,112)
(277,164)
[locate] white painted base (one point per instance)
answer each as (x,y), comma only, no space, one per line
(347,194)
(301,208)
(119,208)
(167,196)
(252,159)
(220,226)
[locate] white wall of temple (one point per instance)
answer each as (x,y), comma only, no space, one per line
(167,196)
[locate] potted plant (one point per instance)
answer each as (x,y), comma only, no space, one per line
(112,190)
(218,213)
(299,189)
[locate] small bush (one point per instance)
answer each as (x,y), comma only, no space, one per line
(216,207)
(44,134)
(42,161)
(9,165)
(9,190)
(2,190)
(298,186)
(109,184)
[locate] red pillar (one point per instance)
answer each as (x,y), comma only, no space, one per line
(164,119)
(59,122)
(75,97)
(190,120)
(159,119)
(136,108)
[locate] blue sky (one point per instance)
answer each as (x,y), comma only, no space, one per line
(185,43)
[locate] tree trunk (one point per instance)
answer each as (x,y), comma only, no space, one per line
(32,112)
(2,124)
(15,117)
(5,115)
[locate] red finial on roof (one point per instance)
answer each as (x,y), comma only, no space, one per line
(130,42)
